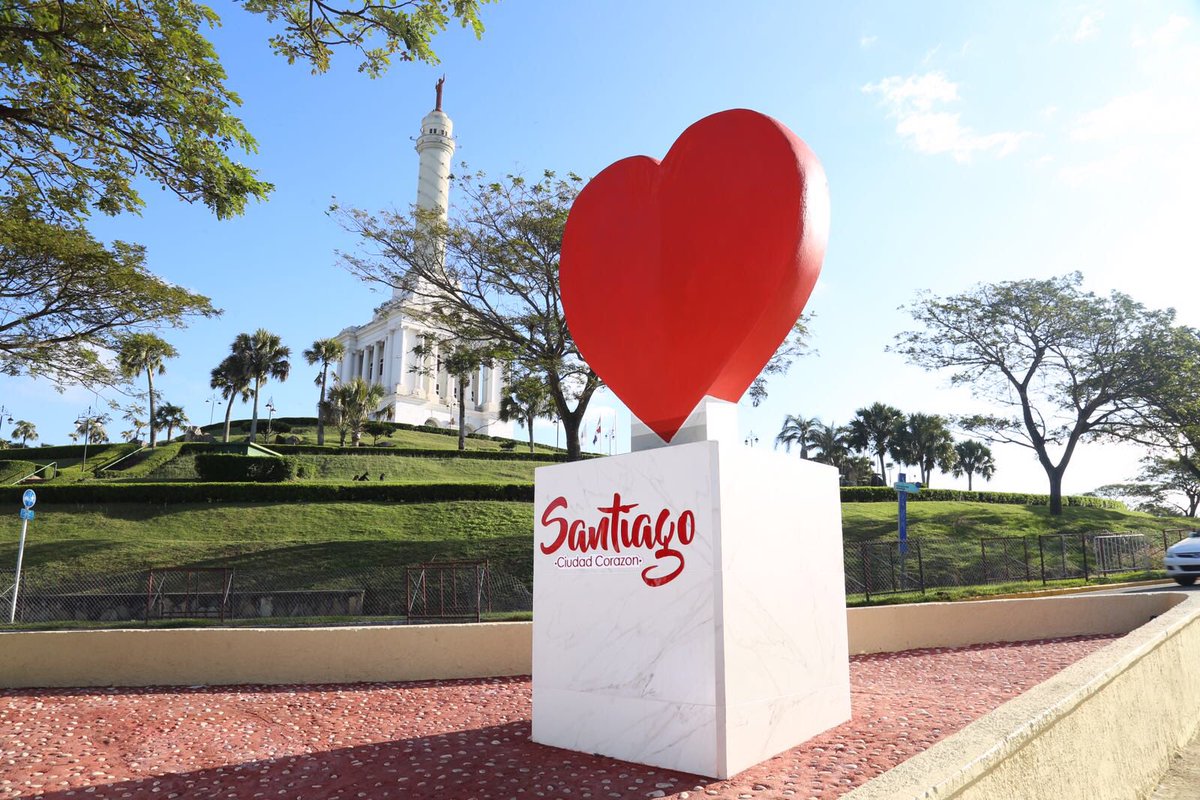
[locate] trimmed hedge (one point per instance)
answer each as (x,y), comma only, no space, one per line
(227,467)
(109,451)
(11,470)
(480,455)
(884,494)
(243,492)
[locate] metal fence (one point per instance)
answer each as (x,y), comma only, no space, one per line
(880,568)
(392,593)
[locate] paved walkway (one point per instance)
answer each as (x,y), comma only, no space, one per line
(454,740)
(1182,781)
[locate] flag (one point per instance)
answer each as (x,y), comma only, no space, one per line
(596,438)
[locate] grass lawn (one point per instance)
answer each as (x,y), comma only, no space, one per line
(309,545)
(298,545)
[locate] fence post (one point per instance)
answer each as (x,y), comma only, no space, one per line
(1083,541)
(1042,559)
(921,566)
(983,559)
(866,572)
(1025,545)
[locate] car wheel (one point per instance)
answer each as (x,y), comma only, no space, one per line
(1185,580)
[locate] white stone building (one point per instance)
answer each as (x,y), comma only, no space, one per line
(418,391)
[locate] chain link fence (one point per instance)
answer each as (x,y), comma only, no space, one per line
(882,567)
(438,591)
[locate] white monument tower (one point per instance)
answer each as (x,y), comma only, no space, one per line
(419,391)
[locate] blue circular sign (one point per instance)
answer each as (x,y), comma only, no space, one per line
(29,498)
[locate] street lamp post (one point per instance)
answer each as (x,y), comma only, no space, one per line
(270,416)
(87,435)
(751,440)
(211,402)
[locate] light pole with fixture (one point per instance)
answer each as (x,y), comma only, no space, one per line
(751,439)
(270,415)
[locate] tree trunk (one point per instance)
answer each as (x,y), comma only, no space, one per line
(882,468)
(228,414)
(150,385)
(254,418)
(320,406)
(462,412)
(1056,505)
(968,480)
(531,433)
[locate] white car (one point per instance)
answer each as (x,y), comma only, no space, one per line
(1183,559)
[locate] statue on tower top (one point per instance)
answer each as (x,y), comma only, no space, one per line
(438,106)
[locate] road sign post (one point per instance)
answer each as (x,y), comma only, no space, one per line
(903,490)
(27,500)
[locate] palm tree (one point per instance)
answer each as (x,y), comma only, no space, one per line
(326,351)
(230,378)
(797,430)
(831,443)
(26,430)
(351,403)
(973,457)
(524,400)
(144,352)
(925,442)
(874,429)
(263,356)
(170,417)
(91,429)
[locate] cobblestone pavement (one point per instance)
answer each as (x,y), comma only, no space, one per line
(466,739)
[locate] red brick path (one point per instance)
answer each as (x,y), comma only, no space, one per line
(455,740)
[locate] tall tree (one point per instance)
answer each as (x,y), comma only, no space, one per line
(169,416)
(64,297)
(90,429)
(25,431)
(324,352)
(973,457)
(145,352)
(1066,362)
(263,356)
(97,93)
(525,399)
(231,379)
(831,445)
(378,31)
(924,442)
(1165,485)
(874,429)
(353,402)
(488,277)
(797,430)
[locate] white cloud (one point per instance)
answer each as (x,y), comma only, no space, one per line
(911,101)
(1165,35)
(1088,27)
(866,42)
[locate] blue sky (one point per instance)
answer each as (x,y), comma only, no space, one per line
(963,143)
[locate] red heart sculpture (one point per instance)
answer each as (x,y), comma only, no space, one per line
(680,279)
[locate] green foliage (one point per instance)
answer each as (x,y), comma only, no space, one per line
(176,493)
(62,452)
(378,429)
(143,464)
(1067,364)
(64,295)
(351,403)
(797,430)
(377,31)
(973,458)
(260,356)
(924,441)
(15,470)
(229,467)
(414,452)
(885,494)
(490,275)
(323,352)
(96,93)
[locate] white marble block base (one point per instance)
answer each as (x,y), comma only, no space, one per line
(738,653)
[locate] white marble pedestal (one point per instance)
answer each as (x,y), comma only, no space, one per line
(697,623)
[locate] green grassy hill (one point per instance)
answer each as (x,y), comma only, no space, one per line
(313,545)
